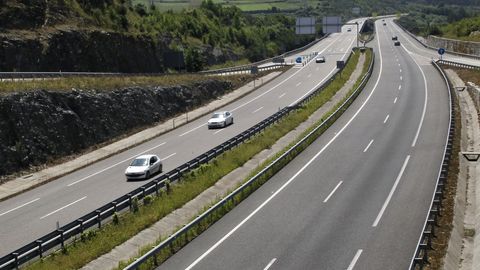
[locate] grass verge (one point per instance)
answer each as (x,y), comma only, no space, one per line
(115,82)
(94,244)
(444,226)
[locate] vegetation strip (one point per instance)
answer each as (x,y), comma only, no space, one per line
(256,179)
(93,244)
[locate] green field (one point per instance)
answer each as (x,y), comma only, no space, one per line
(245,5)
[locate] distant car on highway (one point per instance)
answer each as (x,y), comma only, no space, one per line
(394,38)
(320,59)
(143,167)
(220,120)
(349,29)
(384,23)
(396,43)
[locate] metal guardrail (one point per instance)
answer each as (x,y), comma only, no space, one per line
(95,218)
(303,142)
(456,64)
(434,48)
(238,69)
(248,67)
(420,257)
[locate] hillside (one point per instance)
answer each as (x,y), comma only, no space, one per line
(115,35)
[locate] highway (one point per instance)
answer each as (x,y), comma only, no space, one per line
(35,213)
(428,53)
(358,197)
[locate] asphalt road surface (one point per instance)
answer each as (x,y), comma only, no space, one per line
(35,213)
(358,197)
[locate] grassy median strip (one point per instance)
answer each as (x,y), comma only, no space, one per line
(217,214)
(93,244)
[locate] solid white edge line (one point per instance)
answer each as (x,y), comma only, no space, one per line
(424,103)
(270,264)
(333,191)
(20,206)
(355,259)
(296,174)
(386,118)
(368,146)
(387,201)
(116,164)
(61,208)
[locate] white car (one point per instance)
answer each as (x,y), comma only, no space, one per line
(220,119)
(320,59)
(143,167)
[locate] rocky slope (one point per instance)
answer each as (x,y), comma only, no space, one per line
(39,126)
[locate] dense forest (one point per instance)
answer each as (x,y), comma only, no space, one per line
(451,21)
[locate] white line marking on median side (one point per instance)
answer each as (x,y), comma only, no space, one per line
(280,83)
(395,100)
(61,208)
(368,146)
(116,164)
(315,87)
(20,206)
(387,201)
(193,129)
(257,110)
(333,191)
(386,118)
(169,156)
(281,95)
(226,236)
(355,259)
(270,264)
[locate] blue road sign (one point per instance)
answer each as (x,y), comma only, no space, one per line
(441,51)
(299,59)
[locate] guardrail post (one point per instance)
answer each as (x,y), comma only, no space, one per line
(15,255)
(114,206)
(155,259)
(99,219)
(130,201)
(40,248)
(143,192)
(62,238)
(156,187)
(80,221)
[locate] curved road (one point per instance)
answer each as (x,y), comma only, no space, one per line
(35,213)
(358,197)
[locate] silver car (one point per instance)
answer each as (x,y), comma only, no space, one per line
(143,167)
(220,120)
(320,59)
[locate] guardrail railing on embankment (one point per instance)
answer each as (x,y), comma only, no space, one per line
(59,237)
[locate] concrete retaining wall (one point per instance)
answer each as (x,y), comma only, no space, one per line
(454,45)
(474,91)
